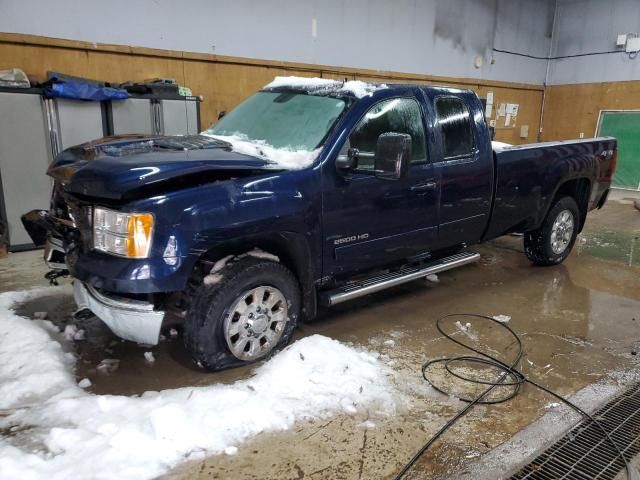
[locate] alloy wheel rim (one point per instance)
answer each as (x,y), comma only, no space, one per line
(254,324)
(562,231)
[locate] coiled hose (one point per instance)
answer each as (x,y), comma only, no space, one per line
(509,377)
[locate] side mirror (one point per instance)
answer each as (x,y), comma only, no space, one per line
(393,153)
(349,161)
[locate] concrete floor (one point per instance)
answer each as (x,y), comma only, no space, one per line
(579,321)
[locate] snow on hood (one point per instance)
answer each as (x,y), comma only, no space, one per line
(83,435)
(324,85)
(288,159)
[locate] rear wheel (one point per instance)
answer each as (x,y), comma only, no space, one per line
(249,312)
(552,242)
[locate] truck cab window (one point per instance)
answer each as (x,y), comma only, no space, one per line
(455,126)
(400,115)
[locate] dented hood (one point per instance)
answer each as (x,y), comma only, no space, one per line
(131,166)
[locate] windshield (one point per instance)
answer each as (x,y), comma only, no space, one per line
(291,121)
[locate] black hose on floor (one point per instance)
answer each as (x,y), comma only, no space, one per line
(509,377)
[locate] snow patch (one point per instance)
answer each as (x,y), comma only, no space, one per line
(324,85)
(213,279)
(220,264)
(84,383)
(231,450)
(463,327)
(256,252)
(148,356)
(433,278)
(367,425)
(502,318)
(33,364)
(108,365)
(141,437)
(498,146)
(72,332)
(277,158)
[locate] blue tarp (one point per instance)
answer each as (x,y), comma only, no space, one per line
(84,91)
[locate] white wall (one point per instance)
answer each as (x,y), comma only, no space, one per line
(584,26)
(437,37)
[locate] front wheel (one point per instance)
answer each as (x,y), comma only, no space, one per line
(247,313)
(552,242)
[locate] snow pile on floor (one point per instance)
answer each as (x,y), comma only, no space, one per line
(33,365)
(325,85)
(106,436)
(287,158)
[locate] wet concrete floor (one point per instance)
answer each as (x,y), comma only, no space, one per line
(579,323)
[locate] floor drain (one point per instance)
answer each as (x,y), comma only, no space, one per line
(584,453)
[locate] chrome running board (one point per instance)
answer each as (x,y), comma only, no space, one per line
(391,279)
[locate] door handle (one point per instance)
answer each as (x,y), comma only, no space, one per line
(423,187)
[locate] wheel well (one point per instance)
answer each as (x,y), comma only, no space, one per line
(580,190)
(293,251)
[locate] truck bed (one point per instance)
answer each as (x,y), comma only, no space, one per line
(528,177)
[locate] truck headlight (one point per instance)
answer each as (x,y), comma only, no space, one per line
(123,234)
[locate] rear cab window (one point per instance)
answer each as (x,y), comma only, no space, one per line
(454,120)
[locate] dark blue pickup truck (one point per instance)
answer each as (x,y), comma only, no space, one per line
(311,192)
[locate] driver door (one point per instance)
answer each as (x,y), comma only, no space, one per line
(369,221)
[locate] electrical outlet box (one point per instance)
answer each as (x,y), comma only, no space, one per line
(633,44)
(621,40)
(581,134)
(524,131)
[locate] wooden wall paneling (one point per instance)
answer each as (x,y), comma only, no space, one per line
(202,78)
(572,109)
(37,60)
(529,108)
(338,75)
(223,81)
(116,67)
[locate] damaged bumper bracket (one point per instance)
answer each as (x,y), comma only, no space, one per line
(129,319)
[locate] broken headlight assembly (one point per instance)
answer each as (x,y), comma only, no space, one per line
(121,233)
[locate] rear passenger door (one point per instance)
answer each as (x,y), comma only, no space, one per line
(466,177)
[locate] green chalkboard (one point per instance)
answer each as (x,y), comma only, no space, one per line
(625,126)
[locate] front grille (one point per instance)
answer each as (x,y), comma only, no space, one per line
(81,216)
(585,453)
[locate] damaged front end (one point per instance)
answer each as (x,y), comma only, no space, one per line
(50,232)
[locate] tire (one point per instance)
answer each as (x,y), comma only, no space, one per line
(552,242)
(214,328)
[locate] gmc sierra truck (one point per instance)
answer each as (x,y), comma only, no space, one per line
(310,193)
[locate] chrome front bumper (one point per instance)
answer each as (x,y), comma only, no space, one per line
(129,319)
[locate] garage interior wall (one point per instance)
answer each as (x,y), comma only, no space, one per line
(225,55)
(578,88)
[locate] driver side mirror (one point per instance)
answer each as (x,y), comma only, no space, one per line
(393,153)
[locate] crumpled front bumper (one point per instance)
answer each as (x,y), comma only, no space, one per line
(129,319)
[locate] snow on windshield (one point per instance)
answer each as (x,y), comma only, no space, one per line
(63,431)
(324,85)
(288,159)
